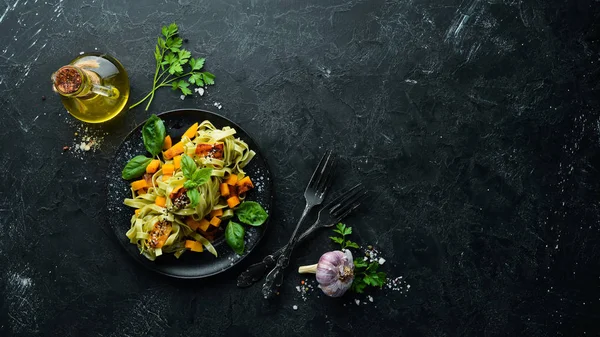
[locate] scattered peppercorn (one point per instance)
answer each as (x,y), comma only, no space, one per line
(66,148)
(185,40)
(43,98)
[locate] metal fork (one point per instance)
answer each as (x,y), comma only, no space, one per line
(314,194)
(329,215)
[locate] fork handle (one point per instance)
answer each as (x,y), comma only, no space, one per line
(256,271)
(275,277)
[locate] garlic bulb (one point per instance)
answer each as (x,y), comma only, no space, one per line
(335,272)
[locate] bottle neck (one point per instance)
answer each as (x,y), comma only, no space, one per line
(73,81)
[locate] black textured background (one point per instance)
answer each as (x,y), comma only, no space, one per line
(474,123)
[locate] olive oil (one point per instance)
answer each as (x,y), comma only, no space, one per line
(93,87)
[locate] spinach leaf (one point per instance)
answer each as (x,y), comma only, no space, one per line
(135,167)
(188,166)
(154,134)
(251,213)
(234,235)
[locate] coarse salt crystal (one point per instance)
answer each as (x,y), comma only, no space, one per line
(357,302)
(295,307)
(200,91)
(370,298)
(381,260)
(182,97)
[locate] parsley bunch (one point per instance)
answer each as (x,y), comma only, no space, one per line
(343,231)
(365,273)
(170,62)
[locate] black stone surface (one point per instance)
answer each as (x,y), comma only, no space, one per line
(474,123)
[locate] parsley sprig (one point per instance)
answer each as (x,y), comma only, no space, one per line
(365,273)
(343,231)
(171,60)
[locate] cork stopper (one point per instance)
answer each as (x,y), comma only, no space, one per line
(67,80)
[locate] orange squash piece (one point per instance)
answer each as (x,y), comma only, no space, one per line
(173,151)
(233,201)
(215,221)
(167,143)
(159,234)
(216,212)
(139,184)
(160,201)
(217,151)
(244,185)
(168,169)
(232,179)
(137,211)
(203,149)
(153,166)
(177,162)
(204,224)
(193,224)
(192,131)
(194,246)
(224,190)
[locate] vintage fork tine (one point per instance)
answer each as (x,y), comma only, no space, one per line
(343,199)
(326,182)
(318,173)
(348,209)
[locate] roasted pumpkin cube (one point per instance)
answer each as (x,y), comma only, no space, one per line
(232,179)
(193,224)
(160,201)
(168,169)
(159,234)
(224,190)
(177,162)
(167,143)
(244,185)
(215,221)
(153,166)
(173,151)
(204,224)
(191,131)
(203,149)
(194,246)
(139,184)
(216,212)
(233,201)
(217,151)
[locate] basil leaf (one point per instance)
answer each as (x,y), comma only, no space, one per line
(251,213)
(188,185)
(194,196)
(135,167)
(234,235)
(202,176)
(154,134)
(188,166)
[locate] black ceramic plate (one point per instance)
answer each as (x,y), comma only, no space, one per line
(189,265)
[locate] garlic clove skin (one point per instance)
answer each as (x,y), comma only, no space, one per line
(335,272)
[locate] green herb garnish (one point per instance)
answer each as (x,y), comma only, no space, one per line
(171,60)
(234,236)
(135,167)
(366,274)
(251,213)
(153,133)
(195,177)
(343,231)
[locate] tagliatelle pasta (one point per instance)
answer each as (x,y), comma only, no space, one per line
(166,219)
